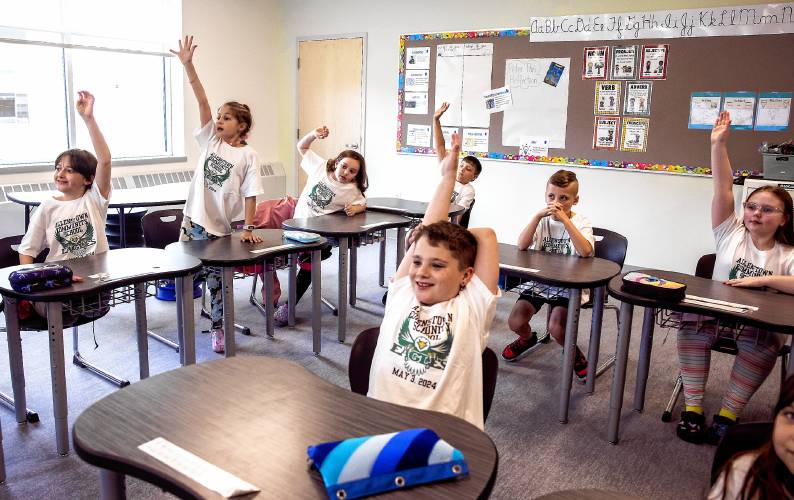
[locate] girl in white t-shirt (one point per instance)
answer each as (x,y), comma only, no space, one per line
(754,251)
(333,185)
(226,181)
(72,224)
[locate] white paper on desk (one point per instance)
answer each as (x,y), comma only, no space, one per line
(273,249)
(374,224)
(196,468)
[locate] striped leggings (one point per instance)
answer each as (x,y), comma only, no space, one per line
(754,361)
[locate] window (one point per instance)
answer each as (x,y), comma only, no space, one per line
(50,49)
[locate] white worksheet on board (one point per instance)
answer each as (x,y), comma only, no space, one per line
(463,73)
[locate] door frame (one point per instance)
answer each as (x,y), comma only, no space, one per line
(314,38)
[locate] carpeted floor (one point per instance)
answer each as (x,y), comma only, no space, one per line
(538,455)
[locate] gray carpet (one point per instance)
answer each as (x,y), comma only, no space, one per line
(538,455)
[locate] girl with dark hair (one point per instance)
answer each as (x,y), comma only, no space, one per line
(225,183)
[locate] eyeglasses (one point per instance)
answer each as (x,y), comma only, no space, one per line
(751,207)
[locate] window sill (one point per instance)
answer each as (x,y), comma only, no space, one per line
(124,162)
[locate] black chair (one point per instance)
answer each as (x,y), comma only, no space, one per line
(739,439)
(161,227)
(724,344)
(464,219)
(361,360)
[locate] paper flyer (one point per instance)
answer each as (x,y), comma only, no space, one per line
(533,146)
(654,62)
(594,65)
(637,101)
(704,109)
(418,135)
(605,132)
(553,74)
(624,62)
(475,140)
(416,103)
(498,99)
(741,106)
(417,58)
(447,133)
(774,111)
(634,135)
(607,98)
(417,80)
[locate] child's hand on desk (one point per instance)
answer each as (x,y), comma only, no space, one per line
(321,132)
(77,279)
(250,237)
(748,282)
(351,209)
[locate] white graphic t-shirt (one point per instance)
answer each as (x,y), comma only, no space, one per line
(463,195)
(224,178)
(70,229)
(551,236)
(430,357)
(323,194)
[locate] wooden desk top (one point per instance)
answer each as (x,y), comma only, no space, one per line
(775,310)
(339,224)
(124,266)
(230,251)
(156,196)
(555,269)
(408,208)
(254,417)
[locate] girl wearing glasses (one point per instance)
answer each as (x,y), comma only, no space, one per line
(752,251)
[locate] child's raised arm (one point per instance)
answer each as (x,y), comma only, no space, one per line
(185,54)
(721,171)
(306,141)
(486,264)
(85,108)
(441,149)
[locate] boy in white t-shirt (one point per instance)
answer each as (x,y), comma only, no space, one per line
(468,169)
(439,311)
(556,229)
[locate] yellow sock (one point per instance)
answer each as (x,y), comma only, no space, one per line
(724,412)
(695,409)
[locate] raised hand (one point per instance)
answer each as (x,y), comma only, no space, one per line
(321,132)
(449,165)
(85,104)
(186,49)
(441,110)
(722,127)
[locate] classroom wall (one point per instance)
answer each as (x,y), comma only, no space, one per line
(664,217)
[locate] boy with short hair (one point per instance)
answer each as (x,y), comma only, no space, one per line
(440,307)
(468,169)
(557,229)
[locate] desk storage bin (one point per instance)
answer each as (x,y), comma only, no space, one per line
(778,167)
(166,290)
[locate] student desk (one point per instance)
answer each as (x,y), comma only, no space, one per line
(229,252)
(120,199)
(574,273)
(345,229)
(774,313)
(224,413)
(414,210)
(122,268)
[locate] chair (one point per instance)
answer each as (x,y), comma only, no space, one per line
(161,227)
(464,219)
(726,345)
(361,360)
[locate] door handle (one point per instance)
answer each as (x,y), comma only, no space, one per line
(351,146)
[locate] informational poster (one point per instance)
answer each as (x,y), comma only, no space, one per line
(449,82)
(447,133)
(607,98)
(417,80)
(539,109)
(704,109)
(594,65)
(774,111)
(624,62)
(416,103)
(463,74)
(637,101)
(605,132)
(553,74)
(475,140)
(417,58)
(634,135)
(418,135)
(741,106)
(533,146)
(654,62)
(498,99)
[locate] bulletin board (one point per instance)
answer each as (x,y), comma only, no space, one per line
(757,63)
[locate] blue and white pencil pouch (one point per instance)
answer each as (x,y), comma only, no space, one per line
(363,466)
(302,236)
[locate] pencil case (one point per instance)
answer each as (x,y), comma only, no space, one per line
(653,287)
(44,277)
(302,236)
(363,466)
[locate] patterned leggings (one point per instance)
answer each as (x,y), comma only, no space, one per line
(192,231)
(754,361)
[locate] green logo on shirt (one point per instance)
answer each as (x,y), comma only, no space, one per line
(76,235)
(426,345)
(556,245)
(744,269)
(216,171)
(320,196)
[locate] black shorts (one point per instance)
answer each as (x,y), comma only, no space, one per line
(537,301)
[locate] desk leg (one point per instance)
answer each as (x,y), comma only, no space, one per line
(317,295)
(111,485)
(569,350)
(15,358)
(27,217)
(227,287)
(140,328)
(186,320)
(2,460)
(268,278)
(400,246)
(58,374)
(595,338)
(292,295)
(353,270)
(122,228)
(644,363)
(382,261)
(619,377)
(344,244)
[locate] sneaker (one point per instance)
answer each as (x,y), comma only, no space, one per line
(217,340)
(281,316)
(690,428)
(580,367)
(719,427)
(520,347)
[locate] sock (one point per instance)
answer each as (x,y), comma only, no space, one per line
(724,412)
(695,409)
